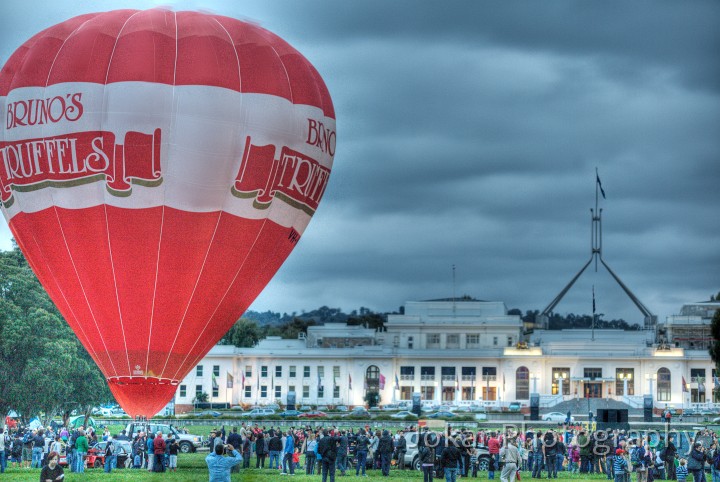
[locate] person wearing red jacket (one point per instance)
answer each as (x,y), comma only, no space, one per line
(493,445)
(159,451)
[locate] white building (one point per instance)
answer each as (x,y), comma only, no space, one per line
(459,351)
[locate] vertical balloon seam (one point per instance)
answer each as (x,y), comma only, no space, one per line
(162,211)
(57,214)
(105,193)
(270,40)
(220,212)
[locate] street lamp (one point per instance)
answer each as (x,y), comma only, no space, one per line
(534,378)
(650,377)
(561,378)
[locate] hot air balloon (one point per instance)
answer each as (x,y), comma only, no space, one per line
(156,169)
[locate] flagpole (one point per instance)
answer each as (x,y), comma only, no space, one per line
(593,318)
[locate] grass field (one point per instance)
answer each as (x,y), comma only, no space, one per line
(193,469)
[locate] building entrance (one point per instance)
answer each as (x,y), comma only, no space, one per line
(593,389)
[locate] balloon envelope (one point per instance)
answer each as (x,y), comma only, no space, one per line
(156,169)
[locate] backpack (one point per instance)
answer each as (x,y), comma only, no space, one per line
(635,456)
(109,449)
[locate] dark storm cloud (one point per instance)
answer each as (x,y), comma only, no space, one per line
(469,133)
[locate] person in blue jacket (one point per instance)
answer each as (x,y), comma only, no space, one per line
(219,466)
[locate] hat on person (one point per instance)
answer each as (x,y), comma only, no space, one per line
(619,452)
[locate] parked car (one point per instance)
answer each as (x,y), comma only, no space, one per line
(313,414)
(305,408)
(272,406)
(556,417)
(258,413)
(514,407)
(123,450)
(209,413)
(188,443)
(403,414)
(441,414)
(290,413)
(342,408)
(359,412)
(412,459)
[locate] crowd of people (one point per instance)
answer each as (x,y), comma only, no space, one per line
(328,451)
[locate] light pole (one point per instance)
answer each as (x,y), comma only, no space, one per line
(534,378)
(650,377)
(561,380)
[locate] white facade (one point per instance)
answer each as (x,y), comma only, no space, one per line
(451,351)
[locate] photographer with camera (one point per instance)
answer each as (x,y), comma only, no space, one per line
(219,466)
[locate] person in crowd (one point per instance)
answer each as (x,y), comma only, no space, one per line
(696,462)
(310,454)
(537,450)
(150,443)
(327,453)
(260,449)
(236,440)
(450,460)
(493,445)
(549,450)
(682,471)
(342,453)
(288,450)
(385,447)
(173,448)
(401,449)
(109,453)
(219,466)
(81,448)
(4,448)
(362,445)
(620,466)
(52,472)
(159,451)
(275,448)
(246,452)
(511,456)
(670,453)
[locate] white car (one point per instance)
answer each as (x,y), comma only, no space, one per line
(556,417)
(403,414)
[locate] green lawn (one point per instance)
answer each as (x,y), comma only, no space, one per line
(193,469)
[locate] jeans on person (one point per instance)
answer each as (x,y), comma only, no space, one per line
(360,461)
(109,465)
(494,466)
(287,462)
(260,461)
(698,475)
(274,456)
(328,468)
(609,467)
(385,463)
(310,463)
(37,456)
(79,461)
(551,466)
(451,474)
(537,466)
(715,474)
(3,462)
(428,473)
(401,459)
(341,463)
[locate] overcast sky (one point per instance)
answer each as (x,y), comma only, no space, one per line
(468,135)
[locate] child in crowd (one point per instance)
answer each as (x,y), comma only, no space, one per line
(474,462)
(296,458)
(681,471)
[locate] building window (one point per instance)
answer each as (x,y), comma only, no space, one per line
(306,371)
(248,371)
(291,388)
(199,371)
(321,371)
(198,390)
(215,392)
(396,341)
(468,374)
(278,371)
(510,341)
(248,391)
(448,373)
(468,393)
(216,370)
(406,393)
(336,392)
(561,373)
(489,393)
(183,391)
(453,341)
(664,389)
(407,373)
(592,373)
(472,341)
(263,391)
(522,384)
(336,372)
(489,374)
(321,392)
(263,371)
(495,341)
(433,340)
(291,371)
(410,342)
(278,391)
(622,374)
(697,391)
(306,391)
(427,373)
(427,393)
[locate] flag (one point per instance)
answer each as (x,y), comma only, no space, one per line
(349,382)
(599,184)
(716,380)
(597,177)
(684,387)
(457,383)
(593,290)
(397,382)
(243,380)
(230,380)
(214,382)
(320,387)
(382,381)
